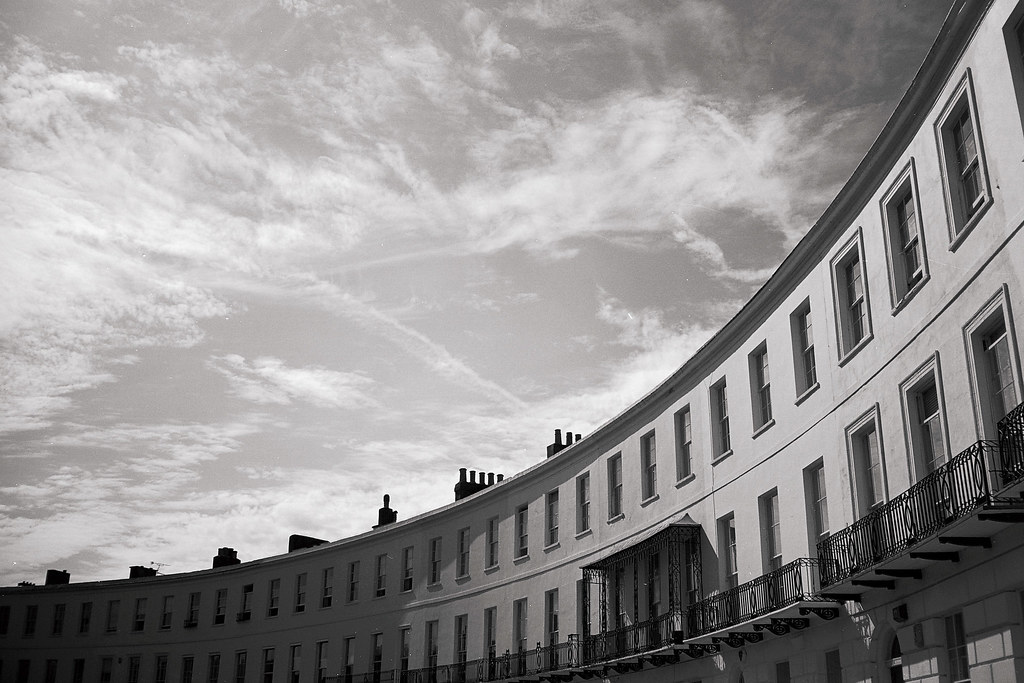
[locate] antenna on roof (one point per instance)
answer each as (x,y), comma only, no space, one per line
(158,565)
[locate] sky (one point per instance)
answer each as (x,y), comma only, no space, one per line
(264,261)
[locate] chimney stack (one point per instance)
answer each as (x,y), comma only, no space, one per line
(386,515)
(226,557)
(557,446)
(57,577)
(474,484)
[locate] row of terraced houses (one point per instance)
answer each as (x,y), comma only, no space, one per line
(828,490)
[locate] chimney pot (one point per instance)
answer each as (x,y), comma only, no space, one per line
(500,477)
(462,474)
(472,476)
(558,437)
(490,478)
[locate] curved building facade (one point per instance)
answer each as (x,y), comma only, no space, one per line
(829,490)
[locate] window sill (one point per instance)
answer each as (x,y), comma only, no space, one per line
(648,500)
(845,358)
(807,392)
(552,546)
(461,579)
(720,457)
(584,533)
(493,568)
(615,518)
(909,294)
(434,587)
(763,428)
(685,480)
(958,237)
(521,559)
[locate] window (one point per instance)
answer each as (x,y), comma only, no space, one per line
(31,617)
(134,668)
(430,652)
(113,607)
(78,672)
(995,369)
(300,592)
(220,605)
(240,658)
(353,581)
(522,531)
(684,443)
(166,612)
(583,503)
(245,613)
(461,637)
(58,618)
(24,666)
(435,560)
(720,419)
(492,542)
(160,676)
(894,664)
(833,667)
(268,665)
(192,617)
(965,180)
(727,550)
(213,668)
(404,646)
(653,585)
(106,669)
(615,486)
(850,291)
(5,619)
(519,626)
(760,387)
(923,419)
(817,503)
(551,619)
(350,659)
(803,349)
(50,673)
(294,663)
(648,466)
(327,587)
(274,597)
(491,637)
(865,454)
(407,556)
(85,617)
(377,653)
(139,620)
(188,664)
(904,238)
(551,518)
(956,649)
(463,547)
(771,546)
(782,672)
(321,661)
(380,586)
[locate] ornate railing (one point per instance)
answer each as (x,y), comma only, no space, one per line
(1011,446)
(634,639)
(953,491)
(785,586)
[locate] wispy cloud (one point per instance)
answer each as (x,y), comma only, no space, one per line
(269,380)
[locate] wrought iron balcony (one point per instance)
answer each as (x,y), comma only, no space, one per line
(632,640)
(954,491)
(791,584)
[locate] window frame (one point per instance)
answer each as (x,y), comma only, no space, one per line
(868,421)
(760,388)
(408,558)
(614,465)
(975,331)
(721,437)
(583,503)
(847,344)
(551,518)
(805,372)
(683,421)
(522,531)
(961,218)
(380,583)
(434,561)
(816,501)
(928,373)
(771,530)
(728,551)
(648,466)
(901,288)
(493,542)
(462,556)
(352,593)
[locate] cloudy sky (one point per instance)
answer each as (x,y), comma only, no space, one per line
(266,260)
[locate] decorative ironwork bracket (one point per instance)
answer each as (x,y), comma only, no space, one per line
(799,623)
(776,627)
(826,613)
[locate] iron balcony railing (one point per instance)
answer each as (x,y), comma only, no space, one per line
(634,639)
(952,492)
(787,585)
